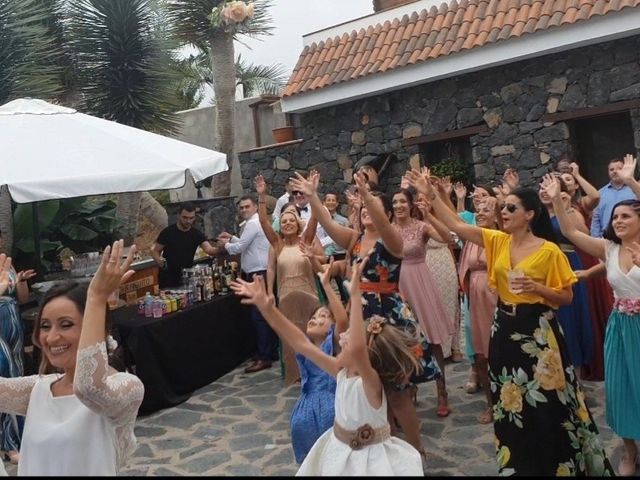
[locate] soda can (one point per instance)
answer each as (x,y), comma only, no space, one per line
(141,307)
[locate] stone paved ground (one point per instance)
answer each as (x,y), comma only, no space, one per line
(239,425)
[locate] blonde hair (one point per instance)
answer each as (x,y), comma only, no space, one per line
(298,221)
(394,352)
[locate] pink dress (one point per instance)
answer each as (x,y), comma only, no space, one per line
(482,301)
(418,286)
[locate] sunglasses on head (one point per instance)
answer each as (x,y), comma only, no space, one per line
(509,206)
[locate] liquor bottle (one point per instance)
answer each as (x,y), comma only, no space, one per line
(217,287)
(199,289)
(223,282)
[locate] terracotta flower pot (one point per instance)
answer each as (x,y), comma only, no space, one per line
(283,134)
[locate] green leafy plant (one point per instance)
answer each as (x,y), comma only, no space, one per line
(80,224)
(455,168)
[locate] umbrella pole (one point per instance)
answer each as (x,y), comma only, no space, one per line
(36,238)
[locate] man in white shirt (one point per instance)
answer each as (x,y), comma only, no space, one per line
(253,248)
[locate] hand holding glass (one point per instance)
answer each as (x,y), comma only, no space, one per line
(513,277)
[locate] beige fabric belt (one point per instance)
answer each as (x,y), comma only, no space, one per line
(362,437)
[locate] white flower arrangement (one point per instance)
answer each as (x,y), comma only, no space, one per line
(232,14)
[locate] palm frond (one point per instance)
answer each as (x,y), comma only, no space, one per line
(123,65)
(28,53)
(260,79)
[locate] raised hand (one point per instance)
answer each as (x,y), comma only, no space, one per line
(113,271)
(314,178)
(356,274)
(460,190)
(634,249)
(5,267)
(253,293)
(423,206)
(511,178)
(491,203)
(306,249)
(261,185)
(325,275)
(551,186)
(420,180)
(445,184)
(353,199)
(575,169)
(304,185)
(628,170)
(361,184)
(404,183)
(26,274)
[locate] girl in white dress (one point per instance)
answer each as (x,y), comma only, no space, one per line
(79,421)
(359,442)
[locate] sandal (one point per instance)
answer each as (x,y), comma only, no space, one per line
(443,409)
(486,416)
(456,357)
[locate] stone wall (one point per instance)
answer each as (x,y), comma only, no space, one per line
(510,100)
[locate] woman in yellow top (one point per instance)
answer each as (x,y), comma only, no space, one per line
(541,422)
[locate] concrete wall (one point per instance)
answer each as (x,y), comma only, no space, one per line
(198,128)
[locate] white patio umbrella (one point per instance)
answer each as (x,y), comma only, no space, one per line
(48,151)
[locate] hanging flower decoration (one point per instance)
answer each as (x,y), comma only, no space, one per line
(231,15)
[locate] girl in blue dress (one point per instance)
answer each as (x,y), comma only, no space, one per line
(313,413)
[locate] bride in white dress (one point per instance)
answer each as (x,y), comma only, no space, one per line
(79,421)
(359,443)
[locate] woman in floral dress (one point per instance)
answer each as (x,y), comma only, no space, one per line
(382,243)
(541,422)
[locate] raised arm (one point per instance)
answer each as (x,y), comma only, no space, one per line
(271,270)
(357,343)
(591,196)
(421,182)
(265,223)
(254,294)
(343,236)
(627,173)
(388,233)
(112,394)
(461,195)
(335,305)
(593,246)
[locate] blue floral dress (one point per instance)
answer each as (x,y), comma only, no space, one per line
(382,273)
(314,412)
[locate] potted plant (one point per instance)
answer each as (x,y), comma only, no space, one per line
(282,131)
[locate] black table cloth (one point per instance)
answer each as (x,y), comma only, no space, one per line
(185,350)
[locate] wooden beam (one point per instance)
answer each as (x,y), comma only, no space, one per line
(450,135)
(589,112)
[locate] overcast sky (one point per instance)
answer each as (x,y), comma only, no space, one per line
(295,18)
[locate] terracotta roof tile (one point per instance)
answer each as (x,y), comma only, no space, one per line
(436,32)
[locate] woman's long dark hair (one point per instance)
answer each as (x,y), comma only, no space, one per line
(608,233)
(540,224)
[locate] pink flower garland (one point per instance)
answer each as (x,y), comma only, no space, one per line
(629,306)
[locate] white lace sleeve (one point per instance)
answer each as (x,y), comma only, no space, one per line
(116,395)
(15,394)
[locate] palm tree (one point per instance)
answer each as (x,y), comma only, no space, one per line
(193,25)
(260,79)
(123,63)
(28,57)
(255,79)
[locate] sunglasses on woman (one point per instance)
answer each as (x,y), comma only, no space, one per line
(509,206)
